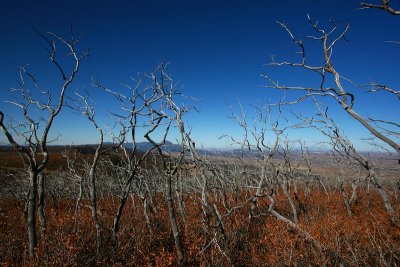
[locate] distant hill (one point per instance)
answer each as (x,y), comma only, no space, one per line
(171,147)
(91,148)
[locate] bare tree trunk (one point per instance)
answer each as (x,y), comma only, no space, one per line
(286,190)
(172,217)
(79,198)
(206,212)
(322,184)
(26,204)
(220,225)
(179,197)
(146,213)
(31,213)
(117,218)
(320,247)
(41,205)
(93,201)
(254,199)
(348,202)
(345,199)
(153,208)
(354,186)
(33,149)
(218,229)
(385,199)
(369,192)
(293,180)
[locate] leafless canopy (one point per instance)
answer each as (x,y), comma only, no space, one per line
(38,108)
(334,85)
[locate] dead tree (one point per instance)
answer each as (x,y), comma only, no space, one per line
(143,108)
(332,83)
(342,146)
(273,173)
(145,196)
(171,164)
(87,108)
(342,162)
(30,135)
(256,143)
(41,202)
(205,172)
(287,170)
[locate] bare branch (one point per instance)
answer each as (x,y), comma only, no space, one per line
(340,93)
(384,6)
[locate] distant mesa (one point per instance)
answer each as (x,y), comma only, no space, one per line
(91,148)
(144,146)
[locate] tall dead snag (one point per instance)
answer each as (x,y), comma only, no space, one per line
(134,107)
(41,204)
(30,134)
(332,83)
(170,162)
(85,106)
(145,113)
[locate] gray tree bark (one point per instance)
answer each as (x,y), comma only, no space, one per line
(31,212)
(93,201)
(42,202)
(172,217)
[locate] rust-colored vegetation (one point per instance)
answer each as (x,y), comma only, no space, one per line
(365,238)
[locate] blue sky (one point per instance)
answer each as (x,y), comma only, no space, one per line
(217,50)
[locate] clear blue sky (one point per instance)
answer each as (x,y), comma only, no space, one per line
(216,50)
